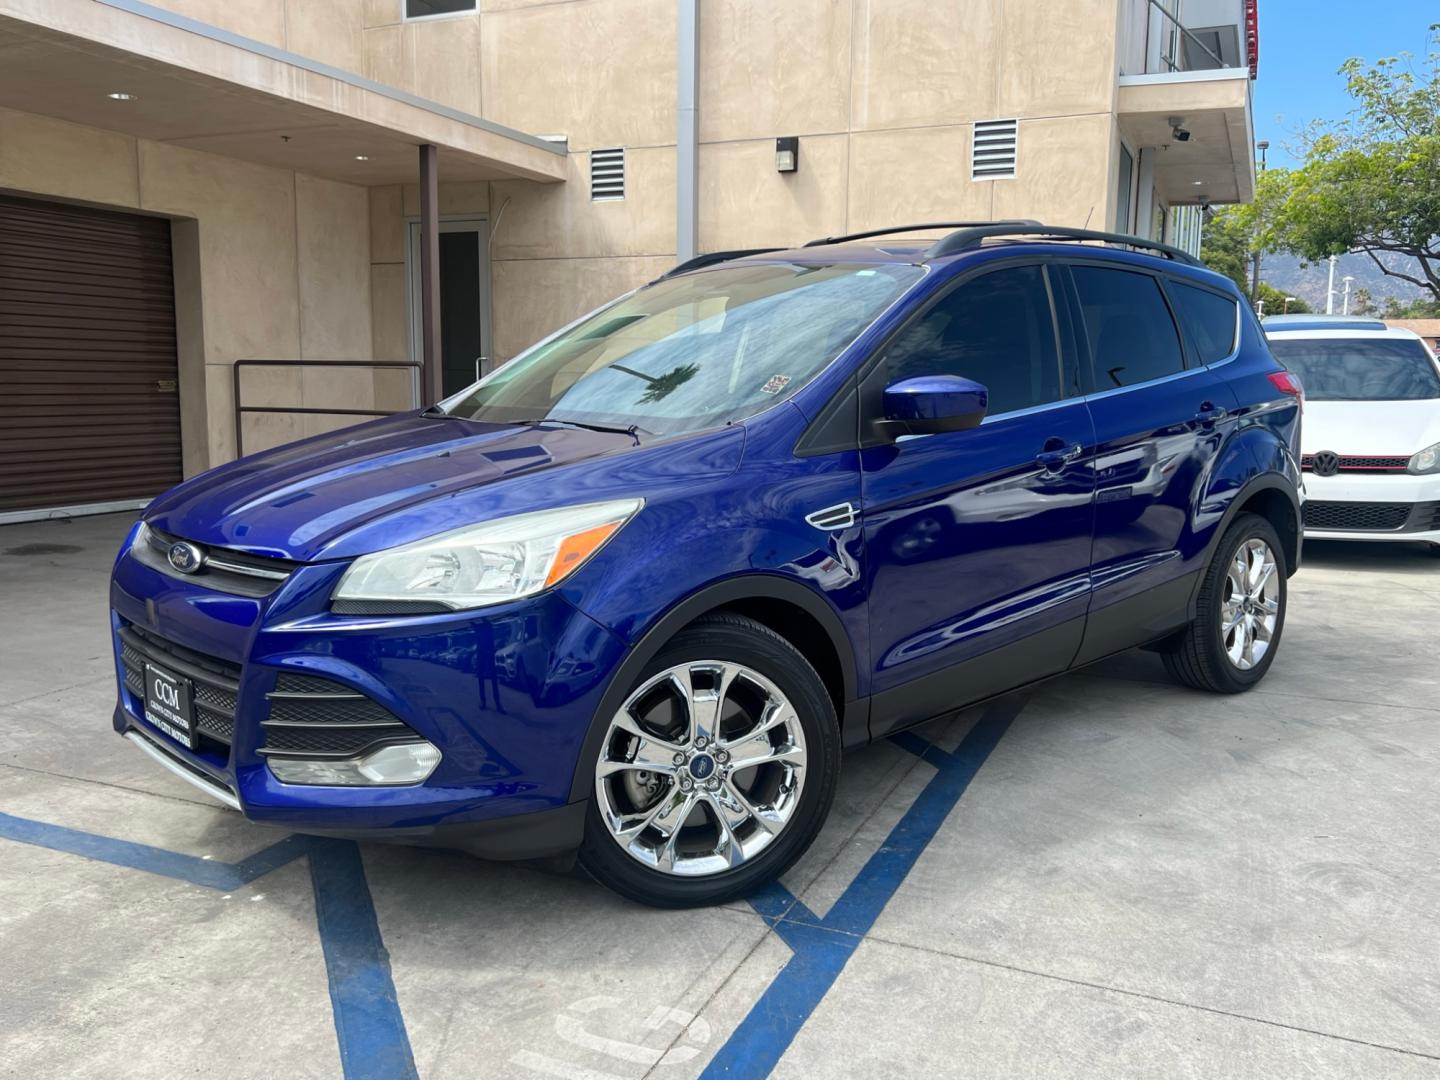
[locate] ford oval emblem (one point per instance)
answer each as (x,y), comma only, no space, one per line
(185,557)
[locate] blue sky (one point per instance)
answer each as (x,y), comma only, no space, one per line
(1303,42)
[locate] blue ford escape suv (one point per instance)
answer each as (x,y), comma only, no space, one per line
(633,593)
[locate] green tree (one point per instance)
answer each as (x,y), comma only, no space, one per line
(1371,182)
(1395,308)
(1274,301)
(1235,234)
(1225,245)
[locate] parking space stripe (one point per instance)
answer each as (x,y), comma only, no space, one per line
(822,947)
(152,860)
(374,1044)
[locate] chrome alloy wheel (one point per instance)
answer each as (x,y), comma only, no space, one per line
(701,769)
(1250,606)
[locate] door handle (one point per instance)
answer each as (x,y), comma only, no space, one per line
(1210,412)
(1054,458)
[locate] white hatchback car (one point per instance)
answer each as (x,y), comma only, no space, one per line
(1370,443)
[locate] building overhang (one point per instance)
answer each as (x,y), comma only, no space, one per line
(1217,163)
(197,86)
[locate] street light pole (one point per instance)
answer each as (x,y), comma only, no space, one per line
(1262,146)
(1330,288)
(1288,301)
(1348,279)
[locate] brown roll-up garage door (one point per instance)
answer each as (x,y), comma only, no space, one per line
(89,409)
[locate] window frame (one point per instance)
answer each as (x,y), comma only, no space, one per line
(1086,360)
(1193,357)
(870,377)
(406,17)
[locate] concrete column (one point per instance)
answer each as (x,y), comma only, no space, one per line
(687,140)
(429,314)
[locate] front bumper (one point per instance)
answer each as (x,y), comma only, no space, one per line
(506,694)
(1373,506)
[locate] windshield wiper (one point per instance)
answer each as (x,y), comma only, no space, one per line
(633,430)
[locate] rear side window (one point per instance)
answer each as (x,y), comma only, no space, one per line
(1127,322)
(995,329)
(1209,319)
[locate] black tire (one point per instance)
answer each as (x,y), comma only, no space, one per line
(1196,656)
(735,639)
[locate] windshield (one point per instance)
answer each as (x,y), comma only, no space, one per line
(1353,369)
(692,352)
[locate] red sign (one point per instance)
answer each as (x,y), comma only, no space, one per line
(1252,37)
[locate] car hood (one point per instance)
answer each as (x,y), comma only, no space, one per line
(406,477)
(1370,428)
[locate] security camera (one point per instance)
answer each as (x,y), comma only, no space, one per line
(1177,131)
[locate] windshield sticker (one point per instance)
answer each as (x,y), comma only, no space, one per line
(776,384)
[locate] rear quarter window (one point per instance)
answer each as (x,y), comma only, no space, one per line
(1209,319)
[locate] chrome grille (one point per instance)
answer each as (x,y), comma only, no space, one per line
(223,569)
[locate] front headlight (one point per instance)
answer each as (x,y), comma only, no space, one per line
(1426,461)
(490,563)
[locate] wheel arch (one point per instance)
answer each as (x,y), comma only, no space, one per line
(792,610)
(1272,496)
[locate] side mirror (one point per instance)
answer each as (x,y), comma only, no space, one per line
(928,404)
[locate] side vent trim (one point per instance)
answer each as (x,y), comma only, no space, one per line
(834,518)
(993,149)
(607,174)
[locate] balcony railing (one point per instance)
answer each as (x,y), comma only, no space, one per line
(1166,37)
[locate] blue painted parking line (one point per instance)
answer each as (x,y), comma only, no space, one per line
(371,1032)
(172,864)
(374,1044)
(822,947)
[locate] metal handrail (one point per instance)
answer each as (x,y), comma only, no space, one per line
(1219,63)
(374,365)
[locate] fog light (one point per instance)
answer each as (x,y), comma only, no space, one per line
(398,763)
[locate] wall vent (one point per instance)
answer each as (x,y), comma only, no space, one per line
(992,154)
(607,174)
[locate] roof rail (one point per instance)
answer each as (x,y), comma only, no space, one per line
(971,237)
(699,262)
(915,228)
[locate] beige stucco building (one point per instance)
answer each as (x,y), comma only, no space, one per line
(275,145)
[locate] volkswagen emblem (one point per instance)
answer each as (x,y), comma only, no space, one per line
(1325,463)
(185,557)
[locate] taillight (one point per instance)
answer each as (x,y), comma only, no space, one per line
(1288,383)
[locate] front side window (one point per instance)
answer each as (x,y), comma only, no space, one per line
(997,330)
(1355,369)
(1209,318)
(692,352)
(1127,322)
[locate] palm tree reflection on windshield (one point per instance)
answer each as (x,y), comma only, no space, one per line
(660,386)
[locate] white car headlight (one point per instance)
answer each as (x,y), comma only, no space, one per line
(1426,461)
(490,563)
